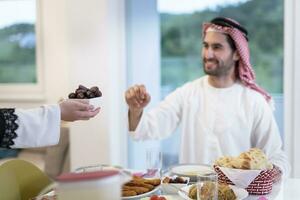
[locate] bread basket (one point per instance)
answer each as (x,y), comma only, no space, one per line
(261,185)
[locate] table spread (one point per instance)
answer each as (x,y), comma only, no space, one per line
(287,189)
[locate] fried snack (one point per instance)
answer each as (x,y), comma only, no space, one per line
(154,182)
(127,193)
(138,190)
(140,184)
(254,159)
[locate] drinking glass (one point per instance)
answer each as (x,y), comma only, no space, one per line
(153,162)
(207,186)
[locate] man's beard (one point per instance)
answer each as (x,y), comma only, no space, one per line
(221,69)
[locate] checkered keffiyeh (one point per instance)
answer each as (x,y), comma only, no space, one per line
(245,71)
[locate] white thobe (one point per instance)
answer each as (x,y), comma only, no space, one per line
(215,122)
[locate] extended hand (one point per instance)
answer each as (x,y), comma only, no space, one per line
(137,97)
(77,109)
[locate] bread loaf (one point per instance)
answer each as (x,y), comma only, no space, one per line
(254,159)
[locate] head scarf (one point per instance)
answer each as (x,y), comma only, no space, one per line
(239,35)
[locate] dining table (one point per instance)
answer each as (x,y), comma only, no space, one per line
(285,189)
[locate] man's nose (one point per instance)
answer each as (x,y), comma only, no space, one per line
(209,53)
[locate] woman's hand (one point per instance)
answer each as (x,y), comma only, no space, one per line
(77,109)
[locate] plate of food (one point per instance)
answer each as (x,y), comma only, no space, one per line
(139,187)
(189,170)
(171,184)
(225,192)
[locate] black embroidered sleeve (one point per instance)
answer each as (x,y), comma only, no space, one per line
(8,127)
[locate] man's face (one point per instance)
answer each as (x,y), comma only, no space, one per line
(218,58)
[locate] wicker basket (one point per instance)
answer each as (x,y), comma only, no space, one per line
(261,185)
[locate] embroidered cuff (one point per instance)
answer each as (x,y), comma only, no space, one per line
(8,127)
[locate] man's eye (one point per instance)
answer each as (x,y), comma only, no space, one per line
(217,47)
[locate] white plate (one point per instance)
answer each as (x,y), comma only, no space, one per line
(239,192)
(190,170)
(138,197)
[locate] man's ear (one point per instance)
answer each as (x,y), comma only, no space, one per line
(236,56)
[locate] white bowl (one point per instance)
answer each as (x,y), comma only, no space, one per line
(96,102)
(173,188)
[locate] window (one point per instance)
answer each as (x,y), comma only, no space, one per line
(20,70)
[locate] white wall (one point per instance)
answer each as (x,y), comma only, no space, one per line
(96,49)
(83,43)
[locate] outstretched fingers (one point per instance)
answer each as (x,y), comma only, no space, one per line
(83,105)
(86,115)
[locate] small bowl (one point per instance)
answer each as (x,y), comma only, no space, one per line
(96,102)
(172,188)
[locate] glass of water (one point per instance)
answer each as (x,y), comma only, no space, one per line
(153,162)
(207,186)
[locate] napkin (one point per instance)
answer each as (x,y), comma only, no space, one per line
(241,178)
